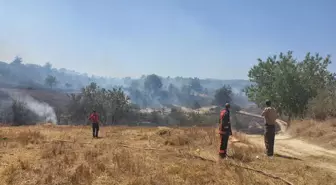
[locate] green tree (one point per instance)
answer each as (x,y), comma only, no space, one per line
(17,60)
(186,89)
(172,89)
(48,66)
(323,105)
(152,83)
(67,85)
(196,105)
(195,84)
(223,96)
(22,115)
(76,108)
(290,84)
(51,81)
(112,105)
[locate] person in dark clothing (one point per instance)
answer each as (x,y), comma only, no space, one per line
(224,130)
(94,118)
(270,117)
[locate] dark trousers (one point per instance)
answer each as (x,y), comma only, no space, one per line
(95,129)
(224,139)
(269,137)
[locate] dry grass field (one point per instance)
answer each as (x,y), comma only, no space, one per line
(62,155)
(322,133)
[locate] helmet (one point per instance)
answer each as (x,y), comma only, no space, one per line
(227,105)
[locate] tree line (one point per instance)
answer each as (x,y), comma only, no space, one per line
(297,88)
(115,107)
(146,91)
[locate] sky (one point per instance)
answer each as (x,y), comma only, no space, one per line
(192,38)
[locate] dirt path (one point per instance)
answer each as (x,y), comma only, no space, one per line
(286,145)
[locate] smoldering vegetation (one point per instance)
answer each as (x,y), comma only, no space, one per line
(23,109)
(150,98)
(146,91)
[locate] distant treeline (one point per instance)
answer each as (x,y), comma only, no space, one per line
(147,91)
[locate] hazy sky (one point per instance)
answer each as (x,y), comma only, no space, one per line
(204,38)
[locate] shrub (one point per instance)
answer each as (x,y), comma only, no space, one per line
(22,115)
(323,105)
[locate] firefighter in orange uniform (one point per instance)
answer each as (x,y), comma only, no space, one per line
(224,130)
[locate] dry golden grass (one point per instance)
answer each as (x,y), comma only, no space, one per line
(62,155)
(321,132)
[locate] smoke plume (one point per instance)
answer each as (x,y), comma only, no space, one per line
(42,109)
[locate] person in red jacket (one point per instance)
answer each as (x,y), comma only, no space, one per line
(94,118)
(224,130)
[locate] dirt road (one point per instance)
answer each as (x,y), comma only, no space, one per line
(287,146)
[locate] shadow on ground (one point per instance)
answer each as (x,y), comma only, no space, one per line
(287,157)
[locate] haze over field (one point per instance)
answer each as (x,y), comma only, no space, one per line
(191,46)
(215,39)
(158,73)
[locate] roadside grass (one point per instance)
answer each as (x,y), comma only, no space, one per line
(319,132)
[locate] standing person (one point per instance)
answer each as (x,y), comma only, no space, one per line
(94,118)
(224,130)
(270,116)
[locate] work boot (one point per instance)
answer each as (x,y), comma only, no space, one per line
(222,156)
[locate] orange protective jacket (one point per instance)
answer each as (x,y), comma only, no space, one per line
(224,122)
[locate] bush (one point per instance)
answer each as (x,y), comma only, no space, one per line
(196,105)
(22,115)
(323,105)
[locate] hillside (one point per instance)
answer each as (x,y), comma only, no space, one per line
(46,89)
(179,90)
(53,98)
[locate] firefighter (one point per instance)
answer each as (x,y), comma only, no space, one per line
(94,118)
(270,116)
(224,130)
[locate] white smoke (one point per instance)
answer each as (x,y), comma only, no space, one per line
(42,109)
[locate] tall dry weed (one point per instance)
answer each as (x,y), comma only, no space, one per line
(29,137)
(320,132)
(123,158)
(81,176)
(126,162)
(55,148)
